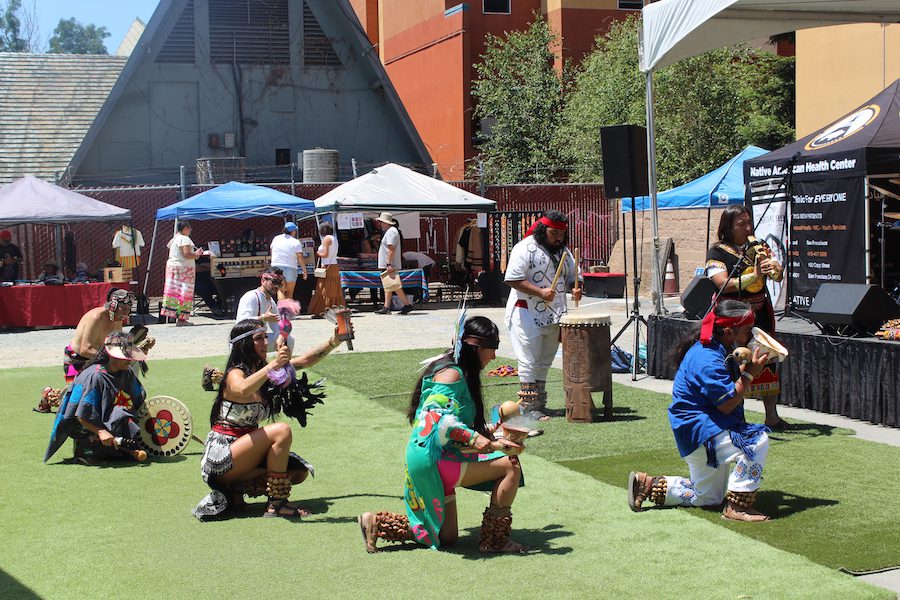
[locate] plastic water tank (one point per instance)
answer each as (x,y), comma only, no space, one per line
(320,165)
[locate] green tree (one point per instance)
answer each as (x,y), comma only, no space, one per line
(707,108)
(519,90)
(71,37)
(11,39)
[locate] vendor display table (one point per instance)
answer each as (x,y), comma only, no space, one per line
(855,377)
(410,278)
(51,305)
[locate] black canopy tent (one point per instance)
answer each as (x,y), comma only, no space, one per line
(828,177)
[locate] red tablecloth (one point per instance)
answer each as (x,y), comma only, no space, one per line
(48,305)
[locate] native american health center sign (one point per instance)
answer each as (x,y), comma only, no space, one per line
(823,224)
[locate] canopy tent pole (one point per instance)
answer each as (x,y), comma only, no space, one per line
(150,258)
(656,286)
(868,221)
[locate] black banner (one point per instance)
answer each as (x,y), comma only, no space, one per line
(827,234)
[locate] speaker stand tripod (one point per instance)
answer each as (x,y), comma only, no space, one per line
(634,316)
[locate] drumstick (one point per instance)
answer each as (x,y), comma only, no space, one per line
(576,276)
(138,455)
(562,261)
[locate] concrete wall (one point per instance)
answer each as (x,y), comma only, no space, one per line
(686,227)
(167,112)
(839,68)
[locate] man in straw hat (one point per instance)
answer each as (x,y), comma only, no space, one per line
(535,306)
(390,261)
(92,330)
(99,412)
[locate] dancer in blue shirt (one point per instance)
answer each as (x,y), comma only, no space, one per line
(707,418)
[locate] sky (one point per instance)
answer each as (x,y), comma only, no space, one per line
(115,15)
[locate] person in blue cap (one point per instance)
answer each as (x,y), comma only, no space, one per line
(287,254)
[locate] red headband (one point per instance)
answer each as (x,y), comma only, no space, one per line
(711,320)
(549,223)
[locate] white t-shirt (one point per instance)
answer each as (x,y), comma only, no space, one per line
(254,304)
(422,259)
(529,261)
(331,258)
(176,257)
(391,237)
(285,248)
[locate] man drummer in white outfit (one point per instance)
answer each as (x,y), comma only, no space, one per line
(534,309)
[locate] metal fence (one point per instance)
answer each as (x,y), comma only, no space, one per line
(592,219)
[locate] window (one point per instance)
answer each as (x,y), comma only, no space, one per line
(179,46)
(497,7)
(630,5)
(317,48)
(253,32)
(282,156)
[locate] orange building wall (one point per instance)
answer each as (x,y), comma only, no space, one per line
(839,68)
(430,58)
(436,105)
(367,12)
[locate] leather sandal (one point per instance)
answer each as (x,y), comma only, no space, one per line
(639,486)
(367,528)
(283,508)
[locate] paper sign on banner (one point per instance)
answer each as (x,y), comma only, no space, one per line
(409,225)
(482,220)
(352,220)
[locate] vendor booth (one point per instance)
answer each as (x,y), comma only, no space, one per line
(403,193)
(234,270)
(33,201)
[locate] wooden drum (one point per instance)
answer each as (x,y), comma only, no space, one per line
(587,364)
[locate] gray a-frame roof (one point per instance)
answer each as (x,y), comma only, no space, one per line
(47,104)
(323,103)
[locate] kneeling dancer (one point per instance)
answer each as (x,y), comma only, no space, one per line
(240,456)
(447,414)
(100,408)
(707,418)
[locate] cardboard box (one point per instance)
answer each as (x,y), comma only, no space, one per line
(114,275)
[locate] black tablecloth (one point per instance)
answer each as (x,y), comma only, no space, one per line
(854,377)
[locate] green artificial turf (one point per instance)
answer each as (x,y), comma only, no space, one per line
(126,531)
(821,485)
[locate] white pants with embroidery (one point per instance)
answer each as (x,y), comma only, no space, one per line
(707,486)
(535,347)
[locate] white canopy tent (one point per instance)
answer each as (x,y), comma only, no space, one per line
(33,200)
(672,30)
(397,189)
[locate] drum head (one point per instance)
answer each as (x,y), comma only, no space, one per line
(166,427)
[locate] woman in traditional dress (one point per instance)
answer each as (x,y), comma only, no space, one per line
(178,294)
(741,273)
(328,288)
(447,414)
(240,456)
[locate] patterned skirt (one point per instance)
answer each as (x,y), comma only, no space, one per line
(216,461)
(178,293)
(328,291)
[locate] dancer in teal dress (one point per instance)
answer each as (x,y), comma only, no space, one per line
(451,445)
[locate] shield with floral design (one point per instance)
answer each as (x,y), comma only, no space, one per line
(165,424)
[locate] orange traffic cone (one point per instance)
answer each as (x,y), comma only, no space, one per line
(670,285)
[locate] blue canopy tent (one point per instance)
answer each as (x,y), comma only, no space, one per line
(236,200)
(720,187)
(233,200)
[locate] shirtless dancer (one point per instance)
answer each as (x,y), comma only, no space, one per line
(93,328)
